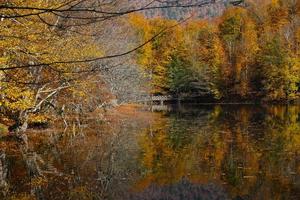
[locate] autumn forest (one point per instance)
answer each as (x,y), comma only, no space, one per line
(81,115)
(245,54)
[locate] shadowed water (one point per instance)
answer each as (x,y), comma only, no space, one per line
(191,152)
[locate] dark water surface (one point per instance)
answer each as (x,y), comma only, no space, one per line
(193,152)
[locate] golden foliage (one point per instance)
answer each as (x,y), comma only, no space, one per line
(31,41)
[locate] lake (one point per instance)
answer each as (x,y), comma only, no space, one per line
(239,152)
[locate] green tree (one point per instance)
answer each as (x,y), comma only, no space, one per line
(180,76)
(280,70)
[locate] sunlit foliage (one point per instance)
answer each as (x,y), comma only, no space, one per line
(31,41)
(248,53)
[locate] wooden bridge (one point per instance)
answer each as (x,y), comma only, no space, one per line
(164,98)
(161,99)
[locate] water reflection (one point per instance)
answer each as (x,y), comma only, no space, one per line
(251,151)
(195,152)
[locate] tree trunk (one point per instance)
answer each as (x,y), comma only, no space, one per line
(20,126)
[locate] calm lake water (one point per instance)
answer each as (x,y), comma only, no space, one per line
(192,152)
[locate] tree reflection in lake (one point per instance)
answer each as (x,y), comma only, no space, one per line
(196,152)
(252,151)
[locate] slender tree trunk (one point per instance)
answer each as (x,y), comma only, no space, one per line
(20,126)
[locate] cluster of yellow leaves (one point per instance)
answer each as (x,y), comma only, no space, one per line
(154,56)
(39,118)
(29,41)
(185,41)
(14,97)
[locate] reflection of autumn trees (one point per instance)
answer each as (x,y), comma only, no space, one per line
(95,164)
(249,152)
(171,152)
(246,150)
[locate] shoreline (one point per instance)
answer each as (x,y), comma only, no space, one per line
(142,113)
